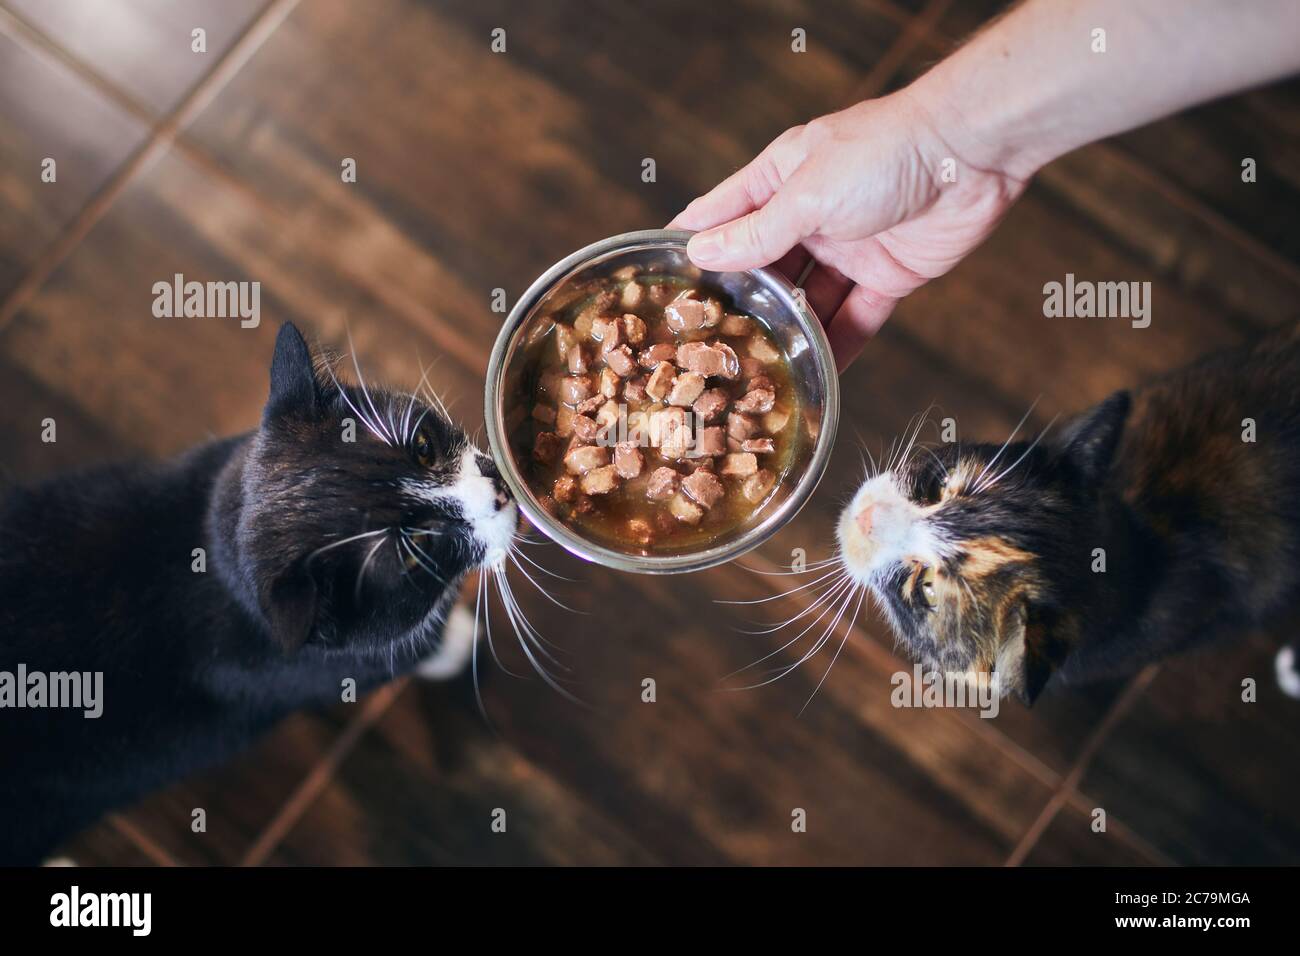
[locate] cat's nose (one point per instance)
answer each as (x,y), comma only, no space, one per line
(865,519)
(488,469)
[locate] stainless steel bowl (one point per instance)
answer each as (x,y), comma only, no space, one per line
(761,292)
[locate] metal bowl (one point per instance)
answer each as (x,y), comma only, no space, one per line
(763,293)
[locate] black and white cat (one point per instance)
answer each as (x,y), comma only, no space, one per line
(327,559)
(1154,522)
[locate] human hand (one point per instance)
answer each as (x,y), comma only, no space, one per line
(862,194)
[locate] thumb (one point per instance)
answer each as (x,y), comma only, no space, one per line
(756,239)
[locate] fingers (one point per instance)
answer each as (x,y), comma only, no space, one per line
(738,194)
(826,289)
(858,319)
(792,264)
(745,190)
(756,239)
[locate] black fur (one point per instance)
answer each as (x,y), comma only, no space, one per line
(96,575)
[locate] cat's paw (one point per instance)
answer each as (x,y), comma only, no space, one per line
(1288,676)
(457,648)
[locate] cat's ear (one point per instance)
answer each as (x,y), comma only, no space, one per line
(1030,652)
(294,389)
(1091,439)
(290,605)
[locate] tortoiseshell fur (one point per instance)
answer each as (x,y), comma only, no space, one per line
(1199,529)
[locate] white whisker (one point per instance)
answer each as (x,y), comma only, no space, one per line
(821,598)
(478,695)
(487,622)
(370,426)
(420,554)
(355,537)
(783,594)
(875,469)
(839,591)
(544,570)
(848,632)
(540,590)
(361,574)
(985,485)
(1010,438)
(512,603)
(524,643)
(361,381)
(815,566)
(841,606)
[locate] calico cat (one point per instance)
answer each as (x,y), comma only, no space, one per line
(326,559)
(989,559)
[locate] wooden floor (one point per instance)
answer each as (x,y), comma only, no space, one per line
(476,171)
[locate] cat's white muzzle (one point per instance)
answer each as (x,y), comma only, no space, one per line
(882,527)
(492,517)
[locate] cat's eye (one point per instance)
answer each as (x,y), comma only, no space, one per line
(932,489)
(928,594)
(423,448)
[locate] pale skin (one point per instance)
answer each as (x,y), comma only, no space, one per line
(860,193)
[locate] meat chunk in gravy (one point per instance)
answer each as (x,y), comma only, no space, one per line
(657,355)
(584,458)
(621,361)
(709,442)
(711,404)
(662,485)
(652,411)
(585,429)
(660,382)
(756,486)
(756,401)
(687,387)
(704,487)
(546,447)
(575,389)
(628,460)
(708,360)
(740,464)
(600,481)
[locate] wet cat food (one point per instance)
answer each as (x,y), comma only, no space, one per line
(655,416)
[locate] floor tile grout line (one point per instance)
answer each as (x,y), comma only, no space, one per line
(442,335)
(920,29)
(892,11)
(1136,687)
(1172,192)
(163,131)
(142,841)
(916,33)
(161,136)
(463,349)
(292,809)
(440,332)
(1080,801)
(1178,196)
(25,33)
(321,773)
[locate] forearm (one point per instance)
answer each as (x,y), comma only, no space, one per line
(1031,86)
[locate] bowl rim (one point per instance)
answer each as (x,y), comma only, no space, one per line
(588,550)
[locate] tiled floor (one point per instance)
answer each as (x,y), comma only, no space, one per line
(477,170)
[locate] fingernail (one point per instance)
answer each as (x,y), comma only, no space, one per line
(703,247)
